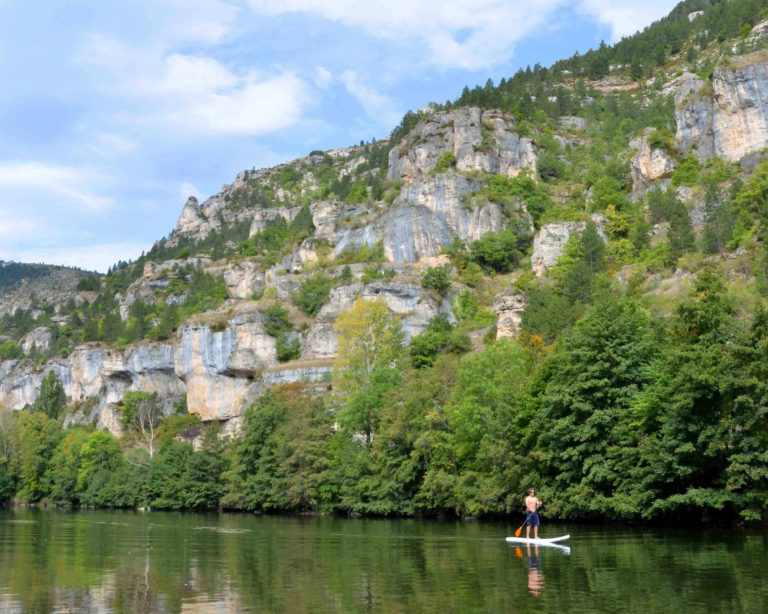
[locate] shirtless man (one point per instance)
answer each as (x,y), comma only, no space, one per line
(532,516)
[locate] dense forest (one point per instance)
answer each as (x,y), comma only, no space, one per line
(617,400)
(626,417)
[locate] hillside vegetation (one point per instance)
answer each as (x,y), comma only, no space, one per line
(555,281)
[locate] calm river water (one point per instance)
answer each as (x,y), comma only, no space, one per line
(105,561)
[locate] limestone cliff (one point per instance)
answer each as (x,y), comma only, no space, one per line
(480,140)
(726,118)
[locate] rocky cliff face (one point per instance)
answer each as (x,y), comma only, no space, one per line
(427,215)
(437,174)
(509,308)
(728,117)
(740,99)
(480,140)
(649,164)
(429,211)
(220,370)
(414,306)
(550,242)
(198,220)
(694,116)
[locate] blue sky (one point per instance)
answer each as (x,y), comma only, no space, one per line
(112,113)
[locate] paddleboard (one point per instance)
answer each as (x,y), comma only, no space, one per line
(539,542)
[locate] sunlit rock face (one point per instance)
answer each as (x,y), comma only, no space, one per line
(37,340)
(509,308)
(427,215)
(693,116)
(740,93)
(550,242)
(480,140)
(219,367)
(649,164)
(431,209)
(728,117)
(414,306)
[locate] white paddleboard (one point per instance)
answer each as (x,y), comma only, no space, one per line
(539,542)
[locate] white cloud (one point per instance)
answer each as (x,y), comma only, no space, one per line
(323,77)
(67,182)
(194,93)
(205,22)
(469,34)
(626,17)
(109,144)
(253,107)
(12,226)
(190,75)
(188,189)
(97,257)
(376,105)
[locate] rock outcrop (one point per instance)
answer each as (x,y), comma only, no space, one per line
(740,99)
(427,215)
(414,306)
(729,117)
(38,340)
(510,308)
(649,164)
(550,242)
(693,116)
(214,369)
(480,140)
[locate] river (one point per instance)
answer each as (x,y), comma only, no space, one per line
(129,562)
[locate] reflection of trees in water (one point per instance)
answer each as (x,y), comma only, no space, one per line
(165,562)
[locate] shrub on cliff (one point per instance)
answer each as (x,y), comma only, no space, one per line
(501,251)
(313,294)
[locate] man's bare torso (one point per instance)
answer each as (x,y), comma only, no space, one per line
(531,503)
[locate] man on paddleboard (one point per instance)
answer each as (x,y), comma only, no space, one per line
(532,515)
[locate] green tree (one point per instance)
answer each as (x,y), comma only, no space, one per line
(64,465)
(703,396)
(276,320)
(584,410)
(142,414)
(592,248)
(100,456)
(38,435)
(501,251)
(7,456)
(547,313)
(425,347)
(204,486)
(51,400)
(473,447)
(365,370)
(255,456)
(313,293)
(718,220)
(437,278)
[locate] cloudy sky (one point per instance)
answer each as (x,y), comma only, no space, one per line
(113,113)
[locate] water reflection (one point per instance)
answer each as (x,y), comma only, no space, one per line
(535,579)
(112,562)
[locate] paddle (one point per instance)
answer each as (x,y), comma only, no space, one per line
(520,528)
